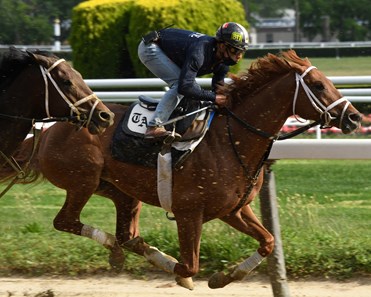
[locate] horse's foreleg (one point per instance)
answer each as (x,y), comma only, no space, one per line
(189,232)
(157,258)
(245,221)
(127,222)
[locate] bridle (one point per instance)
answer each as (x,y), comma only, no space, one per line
(325,115)
(80,119)
(73,106)
(323,110)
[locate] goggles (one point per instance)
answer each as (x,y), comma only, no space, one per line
(234,51)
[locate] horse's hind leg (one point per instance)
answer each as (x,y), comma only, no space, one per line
(127,211)
(127,234)
(68,220)
(245,221)
(127,218)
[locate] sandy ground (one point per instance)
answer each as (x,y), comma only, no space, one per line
(125,286)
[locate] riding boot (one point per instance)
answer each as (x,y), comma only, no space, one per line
(158,132)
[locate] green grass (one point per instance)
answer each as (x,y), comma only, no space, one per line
(324,211)
(345,66)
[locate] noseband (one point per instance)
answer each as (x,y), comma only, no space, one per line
(325,115)
(73,106)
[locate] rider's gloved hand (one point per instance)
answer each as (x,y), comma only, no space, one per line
(221,100)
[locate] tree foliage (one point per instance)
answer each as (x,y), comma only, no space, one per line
(348,20)
(31,21)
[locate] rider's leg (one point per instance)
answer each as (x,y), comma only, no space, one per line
(161,66)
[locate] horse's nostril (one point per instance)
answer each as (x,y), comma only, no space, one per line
(355,117)
(107,116)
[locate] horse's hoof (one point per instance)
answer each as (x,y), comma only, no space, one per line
(117,264)
(219,280)
(116,258)
(135,245)
(185,282)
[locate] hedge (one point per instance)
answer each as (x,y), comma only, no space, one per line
(105,33)
(98,38)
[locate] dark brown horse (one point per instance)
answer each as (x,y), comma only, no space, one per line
(218,180)
(40,87)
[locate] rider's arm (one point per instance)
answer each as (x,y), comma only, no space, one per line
(187,80)
(219,75)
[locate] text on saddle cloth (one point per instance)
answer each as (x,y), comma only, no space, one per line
(191,116)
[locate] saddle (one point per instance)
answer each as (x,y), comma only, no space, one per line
(128,143)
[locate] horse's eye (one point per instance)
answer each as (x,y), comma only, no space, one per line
(319,87)
(67,82)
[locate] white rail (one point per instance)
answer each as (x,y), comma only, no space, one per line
(270,45)
(126,90)
(356,149)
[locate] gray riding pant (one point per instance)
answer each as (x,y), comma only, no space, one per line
(160,65)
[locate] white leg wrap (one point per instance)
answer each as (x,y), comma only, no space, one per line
(247,266)
(160,259)
(99,236)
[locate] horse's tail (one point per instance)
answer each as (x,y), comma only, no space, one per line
(26,159)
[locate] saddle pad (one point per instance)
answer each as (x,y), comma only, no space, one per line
(136,150)
(128,144)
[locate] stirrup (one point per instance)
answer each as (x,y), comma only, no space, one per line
(173,137)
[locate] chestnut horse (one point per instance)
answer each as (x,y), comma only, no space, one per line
(37,87)
(218,180)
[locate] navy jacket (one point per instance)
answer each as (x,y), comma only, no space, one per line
(194,53)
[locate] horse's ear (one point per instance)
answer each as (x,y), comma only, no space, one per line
(39,59)
(288,63)
(31,54)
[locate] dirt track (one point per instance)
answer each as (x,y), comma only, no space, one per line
(125,286)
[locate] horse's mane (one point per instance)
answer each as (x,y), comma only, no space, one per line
(263,71)
(13,62)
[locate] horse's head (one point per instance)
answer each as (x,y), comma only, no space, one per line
(86,109)
(316,98)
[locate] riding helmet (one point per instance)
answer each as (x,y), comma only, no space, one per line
(234,35)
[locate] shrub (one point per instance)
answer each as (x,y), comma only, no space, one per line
(105,34)
(98,38)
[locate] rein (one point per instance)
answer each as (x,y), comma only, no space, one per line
(254,179)
(325,116)
(14,164)
(267,135)
(45,120)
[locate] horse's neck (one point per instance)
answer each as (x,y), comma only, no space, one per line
(269,109)
(12,134)
(20,103)
(267,112)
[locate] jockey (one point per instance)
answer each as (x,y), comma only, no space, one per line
(179,56)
